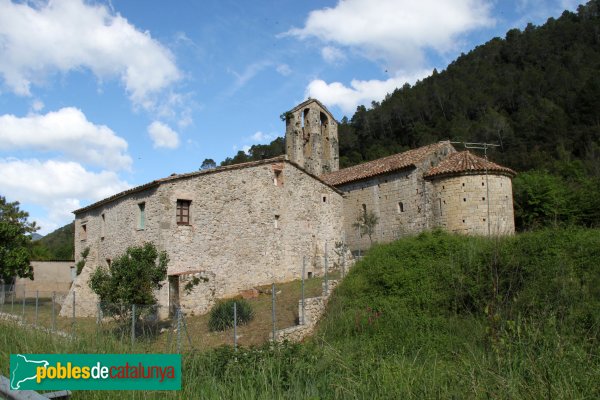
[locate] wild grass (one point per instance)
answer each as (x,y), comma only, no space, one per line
(433,316)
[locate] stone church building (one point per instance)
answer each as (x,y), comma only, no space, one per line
(251,224)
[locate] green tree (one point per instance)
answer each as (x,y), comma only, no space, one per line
(208,163)
(15,239)
(130,279)
(366,223)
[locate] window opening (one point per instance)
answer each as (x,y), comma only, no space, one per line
(141,216)
(183,212)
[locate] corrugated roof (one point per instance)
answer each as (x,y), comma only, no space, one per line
(466,163)
(383,165)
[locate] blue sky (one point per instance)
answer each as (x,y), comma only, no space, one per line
(97,97)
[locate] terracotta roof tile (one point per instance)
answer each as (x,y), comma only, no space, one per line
(173,177)
(465,162)
(383,165)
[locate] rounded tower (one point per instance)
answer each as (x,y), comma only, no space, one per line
(311,137)
(472,195)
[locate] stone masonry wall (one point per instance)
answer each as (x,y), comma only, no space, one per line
(383,195)
(401,200)
(314,308)
(48,277)
(247,229)
(312,139)
(461,204)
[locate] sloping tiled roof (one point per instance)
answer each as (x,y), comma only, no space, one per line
(383,165)
(174,177)
(466,163)
(157,182)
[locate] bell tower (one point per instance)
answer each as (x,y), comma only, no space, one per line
(311,137)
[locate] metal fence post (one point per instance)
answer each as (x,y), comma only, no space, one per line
(73,322)
(53,312)
(273,308)
(132,326)
(302,303)
(235,326)
(37,306)
(178,330)
(23,311)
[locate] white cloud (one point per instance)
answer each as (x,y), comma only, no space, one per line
(262,137)
(37,105)
(67,131)
(283,69)
(332,55)
(396,31)
(359,92)
(41,38)
(163,136)
(56,186)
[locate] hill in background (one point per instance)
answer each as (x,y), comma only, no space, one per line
(55,246)
(536,93)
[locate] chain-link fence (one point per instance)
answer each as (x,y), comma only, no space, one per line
(157,328)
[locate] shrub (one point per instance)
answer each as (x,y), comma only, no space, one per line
(221,316)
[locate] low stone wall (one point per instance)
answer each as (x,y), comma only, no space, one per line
(314,307)
(49,276)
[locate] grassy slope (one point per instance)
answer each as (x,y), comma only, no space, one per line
(435,316)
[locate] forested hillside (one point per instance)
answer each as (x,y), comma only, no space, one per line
(57,245)
(535,93)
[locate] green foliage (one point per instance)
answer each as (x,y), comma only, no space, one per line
(258,152)
(195,281)
(15,239)
(567,197)
(131,279)
(208,163)
(221,315)
(434,290)
(422,332)
(366,222)
(81,263)
(55,246)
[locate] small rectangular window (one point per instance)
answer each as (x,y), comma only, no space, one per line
(102,226)
(276,221)
(183,212)
(141,216)
(324,199)
(83,232)
(277,177)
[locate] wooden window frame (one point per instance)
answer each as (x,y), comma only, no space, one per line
(182,211)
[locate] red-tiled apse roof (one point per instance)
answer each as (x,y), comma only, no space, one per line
(466,163)
(382,165)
